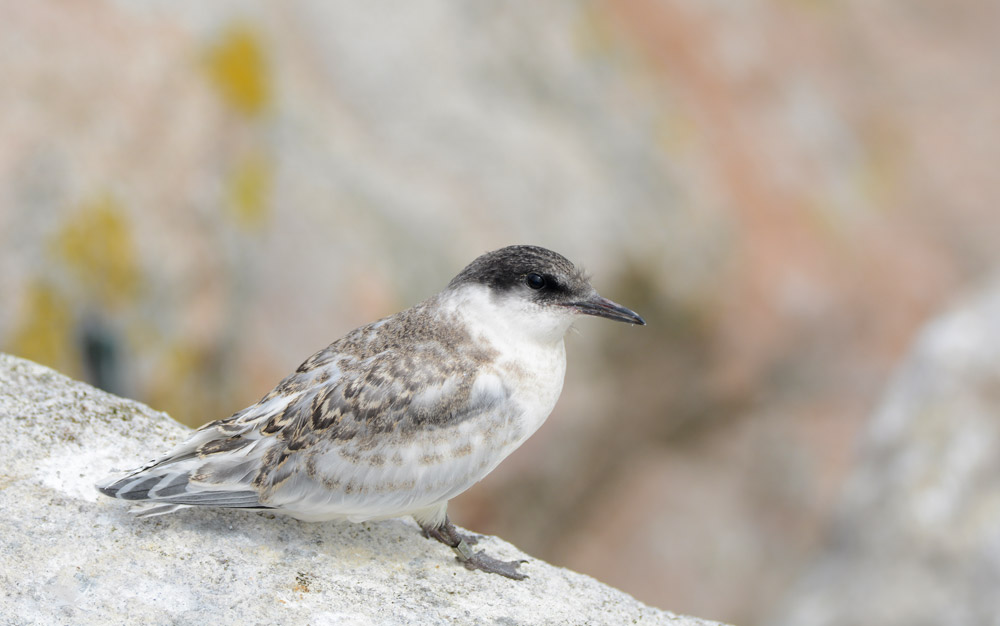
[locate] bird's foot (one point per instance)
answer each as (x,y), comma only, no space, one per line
(484,562)
(447,534)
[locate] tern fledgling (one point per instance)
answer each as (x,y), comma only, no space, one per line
(399,416)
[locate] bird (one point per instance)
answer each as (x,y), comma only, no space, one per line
(399,416)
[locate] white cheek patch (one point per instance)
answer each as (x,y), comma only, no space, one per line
(509,318)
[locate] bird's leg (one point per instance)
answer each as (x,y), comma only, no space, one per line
(469,540)
(447,534)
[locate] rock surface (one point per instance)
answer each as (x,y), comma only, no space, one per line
(69,555)
(917,539)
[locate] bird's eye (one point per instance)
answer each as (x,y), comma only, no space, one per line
(535,281)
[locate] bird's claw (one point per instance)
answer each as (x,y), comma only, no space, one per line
(484,562)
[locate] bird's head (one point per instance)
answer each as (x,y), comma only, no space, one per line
(538,290)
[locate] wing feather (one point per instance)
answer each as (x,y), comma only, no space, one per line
(359,428)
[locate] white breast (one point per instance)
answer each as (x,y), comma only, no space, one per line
(531,363)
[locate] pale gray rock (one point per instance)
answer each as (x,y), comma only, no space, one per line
(69,555)
(917,539)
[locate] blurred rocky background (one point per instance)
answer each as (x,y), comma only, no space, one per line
(916,538)
(196,196)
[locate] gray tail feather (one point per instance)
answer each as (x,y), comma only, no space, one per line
(172,490)
(150,509)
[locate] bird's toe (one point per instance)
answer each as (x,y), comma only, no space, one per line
(484,562)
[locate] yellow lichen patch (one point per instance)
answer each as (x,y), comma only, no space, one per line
(176,388)
(676,133)
(249,188)
(96,246)
(878,174)
(45,331)
(237,68)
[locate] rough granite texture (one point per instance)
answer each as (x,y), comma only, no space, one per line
(69,555)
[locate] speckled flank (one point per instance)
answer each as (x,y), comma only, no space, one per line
(384,372)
